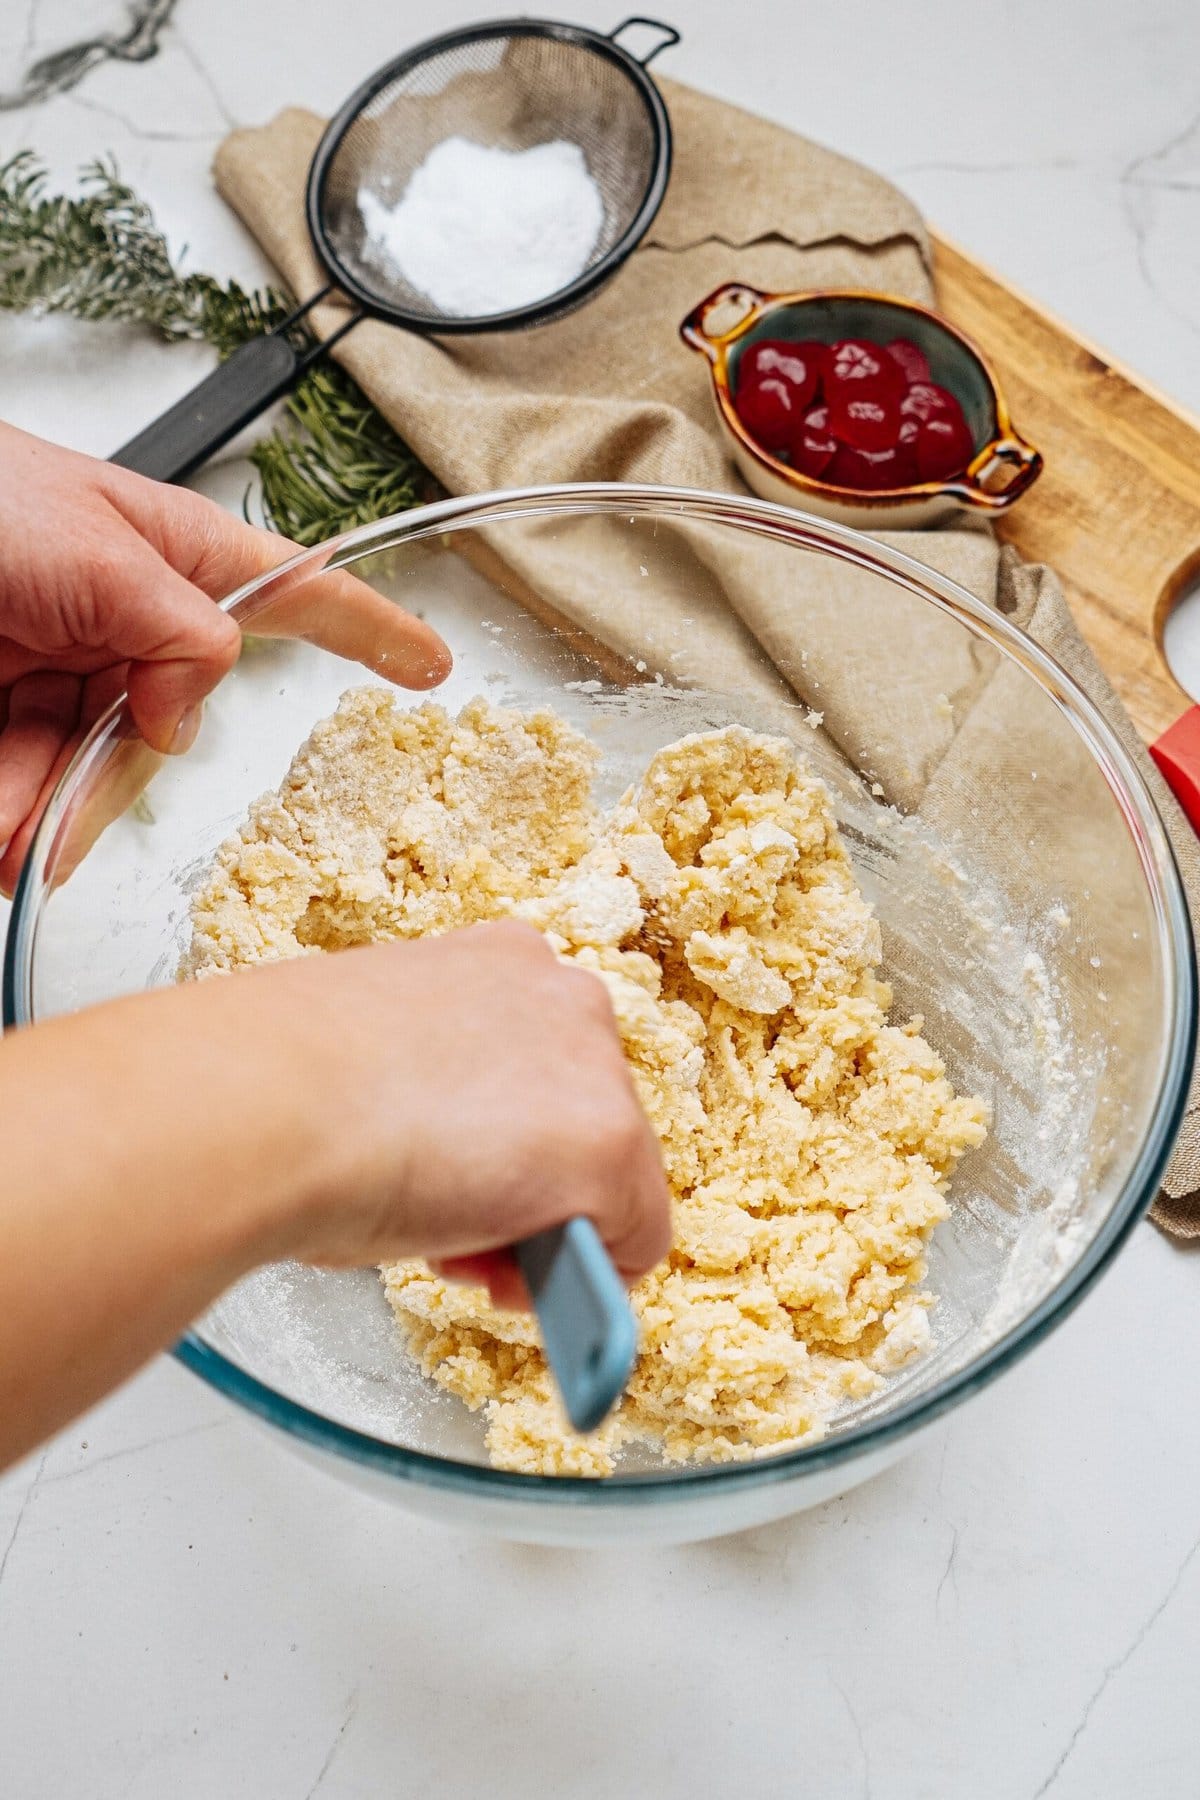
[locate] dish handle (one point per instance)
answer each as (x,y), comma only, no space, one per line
(695,329)
(1011,451)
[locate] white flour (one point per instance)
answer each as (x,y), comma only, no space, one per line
(482,230)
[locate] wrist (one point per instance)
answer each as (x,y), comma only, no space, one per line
(266,1106)
(305,1107)
(200,1103)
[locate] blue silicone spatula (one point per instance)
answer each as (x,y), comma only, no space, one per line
(588,1328)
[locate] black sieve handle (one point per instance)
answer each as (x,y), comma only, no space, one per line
(669,38)
(236,392)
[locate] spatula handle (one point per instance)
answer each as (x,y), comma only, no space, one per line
(588,1328)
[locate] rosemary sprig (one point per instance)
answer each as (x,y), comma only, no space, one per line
(98,254)
(342,461)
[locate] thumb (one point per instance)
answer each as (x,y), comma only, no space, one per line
(179,646)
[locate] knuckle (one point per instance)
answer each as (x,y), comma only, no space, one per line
(227,637)
(629,1134)
(587,992)
(108,567)
(517,934)
(613,1125)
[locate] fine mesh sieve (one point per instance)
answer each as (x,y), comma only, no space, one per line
(510,84)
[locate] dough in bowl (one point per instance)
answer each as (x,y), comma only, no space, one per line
(808,1140)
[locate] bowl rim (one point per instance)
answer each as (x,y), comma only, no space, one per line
(1006,445)
(706,1482)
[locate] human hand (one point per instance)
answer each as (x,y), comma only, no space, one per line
(442,1098)
(106,584)
(460,1093)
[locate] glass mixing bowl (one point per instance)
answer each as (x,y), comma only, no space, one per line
(1031,911)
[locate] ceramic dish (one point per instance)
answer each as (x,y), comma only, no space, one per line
(1003,467)
(1030,906)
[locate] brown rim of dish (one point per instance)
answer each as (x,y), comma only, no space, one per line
(1007,446)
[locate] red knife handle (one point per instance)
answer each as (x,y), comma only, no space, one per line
(1177,753)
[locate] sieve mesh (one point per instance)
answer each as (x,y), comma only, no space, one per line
(512,90)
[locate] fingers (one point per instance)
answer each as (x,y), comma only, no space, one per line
(602,1158)
(350,619)
(114,789)
(178,646)
(99,692)
(635,1196)
(12,860)
(633,1214)
(43,711)
(647,1240)
(130,607)
(495,1270)
(197,538)
(620,1180)
(219,553)
(106,800)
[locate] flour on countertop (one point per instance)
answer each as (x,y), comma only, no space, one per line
(807,1140)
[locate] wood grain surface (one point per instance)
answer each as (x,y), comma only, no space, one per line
(1117,510)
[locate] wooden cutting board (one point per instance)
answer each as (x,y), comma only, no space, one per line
(1116,511)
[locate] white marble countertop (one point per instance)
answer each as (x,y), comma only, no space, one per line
(187,1611)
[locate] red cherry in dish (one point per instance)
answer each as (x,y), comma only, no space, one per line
(768,409)
(926,400)
(774,359)
(868,422)
(871,469)
(815,446)
(815,355)
(857,367)
(944,446)
(911,360)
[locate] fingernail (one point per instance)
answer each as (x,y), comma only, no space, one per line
(186,730)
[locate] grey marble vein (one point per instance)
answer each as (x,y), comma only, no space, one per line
(856,1722)
(332,1752)
(63,69)
(1114,1669)
(154,1443)
(21,1511)
(948,1574)
(192,56)
(145,133)
(1150,170)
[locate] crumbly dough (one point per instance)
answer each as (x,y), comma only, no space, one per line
(807,1140)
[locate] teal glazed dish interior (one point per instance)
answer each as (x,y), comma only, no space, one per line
(1033,916)
(1004,464)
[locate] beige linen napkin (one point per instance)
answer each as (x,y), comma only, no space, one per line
(609,393)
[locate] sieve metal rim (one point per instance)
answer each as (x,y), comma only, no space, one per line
(593,276)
